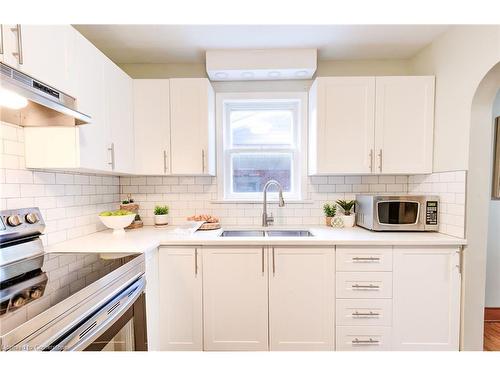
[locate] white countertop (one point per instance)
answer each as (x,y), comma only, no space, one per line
(148,238)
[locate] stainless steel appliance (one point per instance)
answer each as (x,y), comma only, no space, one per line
(44,105)
(398,212)
(496,162)
(66,301)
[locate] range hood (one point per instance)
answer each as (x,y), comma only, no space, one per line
(26,101)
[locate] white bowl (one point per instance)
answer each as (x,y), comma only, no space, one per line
(117,223)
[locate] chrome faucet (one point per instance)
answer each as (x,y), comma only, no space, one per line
(268,219)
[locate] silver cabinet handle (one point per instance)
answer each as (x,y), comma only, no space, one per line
(380,157)
(368,314)
(371,160)
(365,259)
(262,261)
(19,53)
(369,341)
(111,149)
(274,264)
(1,39)
(369,286)
(165,161)
(195,261)
(203,161)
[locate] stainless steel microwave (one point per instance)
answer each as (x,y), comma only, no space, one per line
(398,212)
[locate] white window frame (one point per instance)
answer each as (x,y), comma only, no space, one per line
(289,100)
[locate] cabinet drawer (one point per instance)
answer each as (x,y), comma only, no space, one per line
(364,285)
(363,258)
(364,312)
(363,338)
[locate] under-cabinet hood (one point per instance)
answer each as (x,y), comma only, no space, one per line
(26,101)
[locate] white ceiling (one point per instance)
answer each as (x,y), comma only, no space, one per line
(187,43)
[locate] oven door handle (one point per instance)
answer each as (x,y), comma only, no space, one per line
(103,319)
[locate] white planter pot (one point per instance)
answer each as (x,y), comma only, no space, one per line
(161,219)
(349,220)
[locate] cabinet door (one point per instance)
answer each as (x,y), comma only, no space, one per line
(180,299)
(426,298)
(119,95)
(192,124)
(152,126)
(302,299)
(235,302)
(404,124)
(342,120)
(46,53)
(90,91)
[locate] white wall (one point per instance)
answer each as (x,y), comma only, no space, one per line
(493,255)
(459,58)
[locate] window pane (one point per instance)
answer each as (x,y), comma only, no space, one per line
(250,172)
(261,127)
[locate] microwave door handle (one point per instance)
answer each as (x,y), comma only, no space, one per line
(82,337)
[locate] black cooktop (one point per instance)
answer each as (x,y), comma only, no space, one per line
(60,276)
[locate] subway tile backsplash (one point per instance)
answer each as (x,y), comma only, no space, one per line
(70,202)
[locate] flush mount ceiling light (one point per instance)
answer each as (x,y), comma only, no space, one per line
(12,100)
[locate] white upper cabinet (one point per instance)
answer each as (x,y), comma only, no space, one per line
(302,299)
(404,122)
(364,125)
(341,125)
(94,138)
(192,126)
(152,126)
(119,102)
(235,300)
(42,51)
(426,298)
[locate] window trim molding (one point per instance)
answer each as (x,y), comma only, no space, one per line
(302,115)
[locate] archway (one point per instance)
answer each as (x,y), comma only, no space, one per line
(478,198)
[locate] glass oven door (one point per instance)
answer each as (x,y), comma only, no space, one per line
(398,213)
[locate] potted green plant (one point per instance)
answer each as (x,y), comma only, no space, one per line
(161,215)
(348,217)
(329,210)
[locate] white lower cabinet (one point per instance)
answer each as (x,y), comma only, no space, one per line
(181,322)
(302,298)
(235,298)
(363,338)
(426,298)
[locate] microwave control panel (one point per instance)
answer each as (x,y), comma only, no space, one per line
(431,213)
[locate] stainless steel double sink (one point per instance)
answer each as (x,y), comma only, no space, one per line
(266,233)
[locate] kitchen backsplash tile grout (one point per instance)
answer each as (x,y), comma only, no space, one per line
(70,202)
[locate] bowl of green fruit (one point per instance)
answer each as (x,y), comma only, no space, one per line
(117,220)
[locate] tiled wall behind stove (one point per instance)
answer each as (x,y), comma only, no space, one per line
(196,195)
(69,202)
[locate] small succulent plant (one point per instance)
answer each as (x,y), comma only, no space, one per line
(346,206)
(329,209)
(161,210)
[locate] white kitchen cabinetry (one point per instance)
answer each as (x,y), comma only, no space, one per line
(152,299)
(180,292)
(426,313)
(119,101)
(371,125)
(235,299)
(192,126)
(302,298)
(152,126)
(404,124)
(341,125)
(44,52)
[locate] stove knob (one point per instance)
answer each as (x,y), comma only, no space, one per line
(14,220)
(32,218)
(18,301)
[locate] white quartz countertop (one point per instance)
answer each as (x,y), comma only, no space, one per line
(149,238)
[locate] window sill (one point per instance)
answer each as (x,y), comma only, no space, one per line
(254,201)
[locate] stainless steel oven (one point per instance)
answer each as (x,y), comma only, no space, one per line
(398,213)
(66,301)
